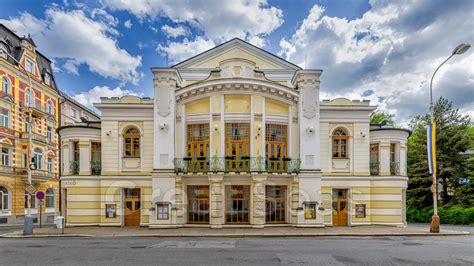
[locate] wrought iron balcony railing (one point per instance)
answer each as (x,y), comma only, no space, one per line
(394,168)
(374,168)
(74,167)
(7,169)
(96,167)
(243,164)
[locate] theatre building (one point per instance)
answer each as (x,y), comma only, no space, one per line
(233,136)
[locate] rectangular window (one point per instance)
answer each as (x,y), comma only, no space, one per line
(47,79)
(5,156)
(24,161)
(50,165)
(310,211)
(33,201)
(162,211)
(73,113)
(49,134)
(392,152)
(29,65)
(4,118)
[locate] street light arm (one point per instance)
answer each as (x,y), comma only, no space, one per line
(431,84)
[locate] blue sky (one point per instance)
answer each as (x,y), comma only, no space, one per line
(384,51)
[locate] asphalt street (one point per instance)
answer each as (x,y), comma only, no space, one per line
(443,250)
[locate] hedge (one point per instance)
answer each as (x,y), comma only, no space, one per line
(448,215)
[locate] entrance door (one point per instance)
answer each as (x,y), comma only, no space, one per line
(275,204)
(339,207)
(132,206)
(198,147)
(237,146)
(198,204)
(237,204)
(276,147)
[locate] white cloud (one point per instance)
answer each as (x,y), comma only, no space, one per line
(179,51)
(392,50)
(251,20)
(88,98)
(128,24)
(173,32)
(79,39)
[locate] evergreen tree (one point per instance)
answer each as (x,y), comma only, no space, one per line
(451,143)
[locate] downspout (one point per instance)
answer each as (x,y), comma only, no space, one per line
(61,101)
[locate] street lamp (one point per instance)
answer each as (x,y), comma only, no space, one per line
(434,228)
(28,221)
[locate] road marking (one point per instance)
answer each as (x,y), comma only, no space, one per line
(196,244)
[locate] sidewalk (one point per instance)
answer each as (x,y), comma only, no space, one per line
(234,232)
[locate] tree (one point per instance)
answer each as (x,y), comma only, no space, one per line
(464,194)
(379,117)
(451,143)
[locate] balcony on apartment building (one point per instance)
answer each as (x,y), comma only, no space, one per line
(75,167)
(244,164)
(37,109)
(36,137)
(38,175)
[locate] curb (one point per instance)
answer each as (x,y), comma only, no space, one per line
(242,235)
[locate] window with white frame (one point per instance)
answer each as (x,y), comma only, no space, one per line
(5,160)
(50,165)
(50,107)
(49,134)
(47,79)
(6,85)
(29,97)
(4,199)
(4,50)
(24,162)
(50,198)
(162,211)
(4,118)
(73,113)
(29,65)
(38,158)
(33,201)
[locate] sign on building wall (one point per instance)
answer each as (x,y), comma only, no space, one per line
(360,210)
(110,210)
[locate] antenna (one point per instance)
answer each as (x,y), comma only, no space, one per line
(167,63)
(305,60)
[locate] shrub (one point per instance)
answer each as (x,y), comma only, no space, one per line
(455,214)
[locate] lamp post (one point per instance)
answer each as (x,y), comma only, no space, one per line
(28,222)
(434,227)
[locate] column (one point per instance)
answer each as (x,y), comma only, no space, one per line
(84,157)
(403,159)
(65,158)
(216,217)
(309,178)
(258,200)
(384,150)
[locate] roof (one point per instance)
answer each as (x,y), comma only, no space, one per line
(377,127)
(70,99)
(13,43)
(232,43)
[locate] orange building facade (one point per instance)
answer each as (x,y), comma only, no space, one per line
(27,86)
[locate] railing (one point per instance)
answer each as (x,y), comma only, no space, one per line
(7,130)
(74,167)
(7,169)
(35,106)
(236,164)
(35,137)
(7,96)
(96,167)
(36,174)
(374,168)
(394,168)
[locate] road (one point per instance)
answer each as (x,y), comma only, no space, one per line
(452,250)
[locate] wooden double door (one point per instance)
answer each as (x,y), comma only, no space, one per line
(132,203)
(340,207)
(237,146)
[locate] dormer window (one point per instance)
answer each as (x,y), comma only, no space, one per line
(29,65)
(4,50)
(47,79)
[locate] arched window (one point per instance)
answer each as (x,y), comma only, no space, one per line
(29,97)
(50,107)
(4,199)
(6,85)
(38,158)
(50,198)
(340,139)
(131,142)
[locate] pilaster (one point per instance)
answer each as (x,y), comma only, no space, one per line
(217,200)
(85,157)
(384,157)
(258,200)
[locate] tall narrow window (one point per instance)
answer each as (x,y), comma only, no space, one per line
(6,85)
(29,97)
(4,50)
(4,118)
(29,65)
(33,201)
(5,160)
(50,198)
(49,134)
(340,140)
(50,165)
(4,199)
(47,79)
(50,107)
(38,158)
(131,142)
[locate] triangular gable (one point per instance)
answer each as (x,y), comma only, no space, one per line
(236,48)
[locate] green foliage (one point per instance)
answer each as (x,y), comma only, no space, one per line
(378,117)
(448,215)
(452,141)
